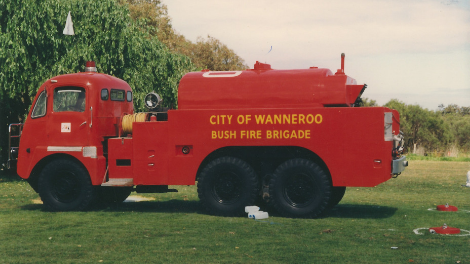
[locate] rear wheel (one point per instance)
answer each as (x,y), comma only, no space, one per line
(299,188)
(226,185)
(337,194)
(64,185)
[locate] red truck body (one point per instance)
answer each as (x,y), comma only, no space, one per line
(260,122)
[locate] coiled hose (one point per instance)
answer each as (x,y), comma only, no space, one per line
(127,121)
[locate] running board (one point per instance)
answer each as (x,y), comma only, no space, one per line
(119,182)
(153,189)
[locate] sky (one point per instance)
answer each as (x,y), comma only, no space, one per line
(416,51)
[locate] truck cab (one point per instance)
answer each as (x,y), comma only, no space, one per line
(72,116)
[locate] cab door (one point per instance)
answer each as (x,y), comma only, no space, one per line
(70,117)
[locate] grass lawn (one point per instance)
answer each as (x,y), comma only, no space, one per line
(370,225)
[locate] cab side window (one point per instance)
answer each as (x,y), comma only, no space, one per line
(39,109)
(69,99)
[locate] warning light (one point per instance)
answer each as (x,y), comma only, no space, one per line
(90,66)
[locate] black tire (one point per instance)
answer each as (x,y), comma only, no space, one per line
(337,194)
(65,185)
(299,188)
(113,195)
(226,185)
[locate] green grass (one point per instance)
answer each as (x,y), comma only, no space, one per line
(363,228)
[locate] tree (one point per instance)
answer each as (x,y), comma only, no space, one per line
(422,127)
(33,49)
(209,54)
(214,55)
(462,133)
(366,102)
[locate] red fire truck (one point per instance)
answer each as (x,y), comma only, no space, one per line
(292,138)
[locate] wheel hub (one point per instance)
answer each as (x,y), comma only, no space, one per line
(300,190)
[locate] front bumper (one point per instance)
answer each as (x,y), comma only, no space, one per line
(399,165)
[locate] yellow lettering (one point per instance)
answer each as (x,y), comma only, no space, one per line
(243,119)
(269,120)
(224,134)
(252,134)
(212,122)
(318,119)
(310,119)
(285,133)
(259,119)
(301,119)
(220,119)
(293,135)
(294,119)
(285,119)
(277,119)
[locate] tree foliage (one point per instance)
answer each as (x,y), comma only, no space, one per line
(458,119)
(208,53)
(433,130)
(212,54)
(366,102)
(33,49)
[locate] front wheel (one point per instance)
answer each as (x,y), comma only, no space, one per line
(64,185)
(226,185)
(299,188)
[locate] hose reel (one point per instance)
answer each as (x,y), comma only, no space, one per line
(152,102)
(127,120)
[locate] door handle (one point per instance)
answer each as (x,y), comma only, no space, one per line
(91,116)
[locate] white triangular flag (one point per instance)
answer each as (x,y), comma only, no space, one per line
(68,30)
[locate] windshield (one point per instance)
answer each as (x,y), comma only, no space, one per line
(69,99)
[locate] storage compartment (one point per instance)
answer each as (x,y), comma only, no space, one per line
(120,157)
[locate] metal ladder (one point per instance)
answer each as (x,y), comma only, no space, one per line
(14,135)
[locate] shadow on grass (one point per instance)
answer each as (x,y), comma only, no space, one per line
(9,176)
(361,211)
(171,206)
(180,206)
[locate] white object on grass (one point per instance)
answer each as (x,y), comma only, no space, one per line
(258,215)
(249,209)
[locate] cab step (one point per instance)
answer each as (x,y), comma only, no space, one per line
(119,182)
